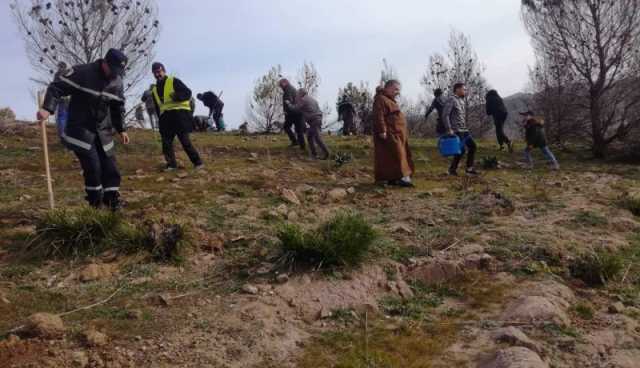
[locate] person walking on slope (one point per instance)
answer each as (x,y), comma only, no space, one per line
(438,105)
(215,105)
(454,120)
(536,138)
(173,105)
(346,113)
(495,107)
(96,108)
(392,156)
(150,106)
(292,118)
(309,108)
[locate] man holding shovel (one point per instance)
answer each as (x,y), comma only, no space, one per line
(96,109)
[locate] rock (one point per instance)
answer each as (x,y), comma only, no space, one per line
(95,272)
(401,228)
(531,309)
(478,261)
(436,272)
(139,172)
(337,194)
(253,155)
(250,289)
(80,359)
(617,308)
(324,313)
(400,288)
(182,175)
(468,249)
(516,357)
(305,189)
(293,216)
(45,325)
(290,196)
(282,278)
(351,190)
(282,210)
(624,359)
(514,336)
(160,179)
(92,338)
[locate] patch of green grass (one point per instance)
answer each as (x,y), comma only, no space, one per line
(584,311)
(16,271)
(415,308)
(590,219)
(216,217)
(598,267)
(343,241)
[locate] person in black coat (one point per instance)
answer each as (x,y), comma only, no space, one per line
(215,105)
(292,118)
(535,137)
(438,105)
(174,107)
(496,108)
(95,110)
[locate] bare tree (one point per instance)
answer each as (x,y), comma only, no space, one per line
(596,42)
(309,78)
(80,32)
(264,110)
(460,65)
(362,101)
(555,99)
(388,72)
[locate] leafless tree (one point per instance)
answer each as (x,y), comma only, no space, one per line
(362,101)
(309,78)
(597,43)
(555,98)
(388,72)
(460,65)
(264,109)
(81,31)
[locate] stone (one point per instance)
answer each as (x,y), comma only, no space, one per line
(337,194)
(324,313)
(289,196)
(515,337)
(282,210)
(617,308)
(402,228)
(478,261)
(305,189)
(182,175)
(532,309)
(79,359)
(282,278)
(92,338)
(95,272)
(160,179)
(351,190)
(516,357)
(45,325)
(293,216)
(250,289)
(468,249)
(436,272)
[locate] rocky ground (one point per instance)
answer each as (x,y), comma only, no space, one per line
(468,272)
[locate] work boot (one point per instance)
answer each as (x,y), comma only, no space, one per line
(510,147)
(471,171)
(112,201)
(94,198)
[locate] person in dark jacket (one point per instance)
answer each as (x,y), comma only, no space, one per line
(496,108)
(174,107)
(535,137)
(95,110)
(437,104)
(150,105)
(346,113)
(311,113)
(215,105)
(292,118)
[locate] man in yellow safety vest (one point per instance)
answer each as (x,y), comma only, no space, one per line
(172,99)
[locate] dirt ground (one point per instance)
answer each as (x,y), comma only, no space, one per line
(468,272)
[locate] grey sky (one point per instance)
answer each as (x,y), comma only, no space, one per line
(227,44)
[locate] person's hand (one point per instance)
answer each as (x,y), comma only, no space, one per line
(450,132)
(43,114)
(125,138)
(383,135)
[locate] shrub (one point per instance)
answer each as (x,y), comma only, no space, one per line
(597,268)
(343,241)
(631,203)
(87,232)
(7,115)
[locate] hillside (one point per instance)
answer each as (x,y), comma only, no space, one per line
(514,268)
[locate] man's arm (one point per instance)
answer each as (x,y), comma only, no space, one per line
(430,110)
(58,89)
(181,91)
(446,114)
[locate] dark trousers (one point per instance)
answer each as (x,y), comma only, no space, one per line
(315,137)
(469,145)
(502,138)
(170,155)
(297,122)
(349,127)
(100,173)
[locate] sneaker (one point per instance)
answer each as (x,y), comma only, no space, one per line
(170,169)
(555,167)
(471,171)
(452,173)
(199,167)
(405,184)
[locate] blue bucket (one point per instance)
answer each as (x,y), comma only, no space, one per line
(450,146)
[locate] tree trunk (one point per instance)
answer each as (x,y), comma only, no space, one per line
(599,147)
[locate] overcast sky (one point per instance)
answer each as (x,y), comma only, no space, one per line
(227,44)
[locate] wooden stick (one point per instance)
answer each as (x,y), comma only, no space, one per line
(45,148)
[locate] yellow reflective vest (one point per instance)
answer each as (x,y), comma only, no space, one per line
(168,103)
